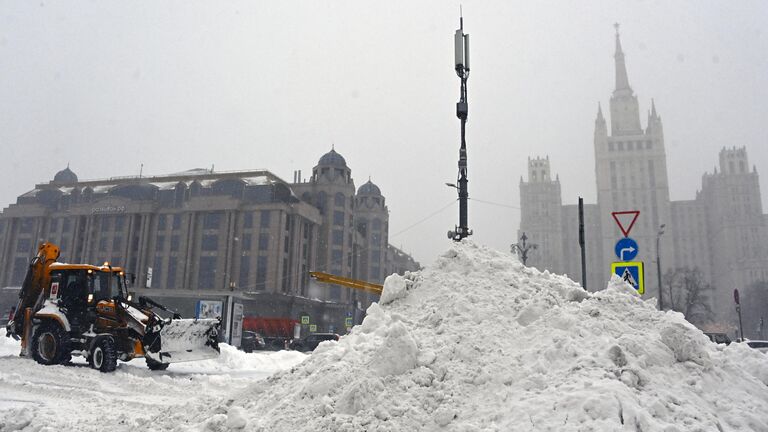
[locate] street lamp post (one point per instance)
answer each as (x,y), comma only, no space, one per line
(658,266)
(522,248)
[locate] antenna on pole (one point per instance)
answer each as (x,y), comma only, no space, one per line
(461,66)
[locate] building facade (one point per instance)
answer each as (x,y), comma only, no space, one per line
(722,231)
(203,235)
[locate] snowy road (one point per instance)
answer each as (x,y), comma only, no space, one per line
(75,397)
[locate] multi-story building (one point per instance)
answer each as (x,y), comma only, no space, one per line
(722,231)
(201,234)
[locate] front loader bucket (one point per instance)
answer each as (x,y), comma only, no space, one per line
(181,340)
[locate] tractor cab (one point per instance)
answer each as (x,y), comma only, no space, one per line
(88,293)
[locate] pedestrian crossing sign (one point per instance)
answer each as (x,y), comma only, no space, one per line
(631,272)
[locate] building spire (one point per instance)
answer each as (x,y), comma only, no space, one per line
(600,113)
(622,82)
(653,109)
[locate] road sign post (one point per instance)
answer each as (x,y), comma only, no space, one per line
(738,310)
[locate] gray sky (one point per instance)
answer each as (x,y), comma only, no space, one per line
(108,85)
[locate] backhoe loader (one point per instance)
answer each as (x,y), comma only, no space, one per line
(86,310)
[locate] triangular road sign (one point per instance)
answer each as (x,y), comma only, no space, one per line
(625,220)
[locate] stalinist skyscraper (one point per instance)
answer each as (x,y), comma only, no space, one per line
(722,231)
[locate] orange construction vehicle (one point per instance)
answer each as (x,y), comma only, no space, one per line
(86,310)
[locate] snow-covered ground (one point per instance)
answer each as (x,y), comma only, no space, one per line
(77,398)
(475,342)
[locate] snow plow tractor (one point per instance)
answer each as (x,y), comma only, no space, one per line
(86,310)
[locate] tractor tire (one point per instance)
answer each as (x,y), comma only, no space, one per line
(50,344)
(155,365)
(104,355)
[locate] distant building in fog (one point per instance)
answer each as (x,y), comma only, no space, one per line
(201,234)
(722,231)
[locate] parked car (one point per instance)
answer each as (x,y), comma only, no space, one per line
(311,342)
(719,338)
(252,341)
(759,345)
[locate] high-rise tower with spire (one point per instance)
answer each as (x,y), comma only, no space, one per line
(722,232)
(631,170)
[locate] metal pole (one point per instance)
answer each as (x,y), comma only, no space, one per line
(658,270)
(738,310)
(582,244)
(462,111)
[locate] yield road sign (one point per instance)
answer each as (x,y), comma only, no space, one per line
(625,220)
(632,273)
(626,249)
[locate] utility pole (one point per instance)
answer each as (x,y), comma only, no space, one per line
(582,244)
(461,45)
(521,249)
(738,310)
(658,266)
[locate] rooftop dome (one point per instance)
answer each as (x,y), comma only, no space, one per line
(332,158)
(369,189)
(65,176)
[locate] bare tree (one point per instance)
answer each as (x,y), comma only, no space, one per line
(688,292)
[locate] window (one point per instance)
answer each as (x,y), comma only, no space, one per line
(266,219)
(610,146)
(376,239)
(161,223)
(246,242)
(210,242)
(263,241)
(174,243)
(206,275)
(106,222)
(23,245)
(286,244)
(338,237)
(375,256)
(176,222)
(103,244)
(261,273)
(339,199)
(248,220)
(245,269)
(337,257)
(157,271)
(338,218)
(66,225)
(287,222)
(376,224)
(19,270)
(212,220)
(117,244)
(171,282)
(119,223)
(160,243)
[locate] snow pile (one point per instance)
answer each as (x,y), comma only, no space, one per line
(479,342)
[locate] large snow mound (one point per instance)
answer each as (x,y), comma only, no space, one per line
(478,342)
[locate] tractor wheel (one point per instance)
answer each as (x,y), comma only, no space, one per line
(156,365)
(50,344)
(104,355)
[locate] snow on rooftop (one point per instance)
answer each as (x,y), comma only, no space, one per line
(478,342)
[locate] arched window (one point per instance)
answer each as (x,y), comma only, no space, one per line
(339,199)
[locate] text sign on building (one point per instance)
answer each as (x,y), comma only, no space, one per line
(626,249)
(630,272)
(625,220)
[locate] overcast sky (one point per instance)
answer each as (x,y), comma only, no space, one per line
(109,85)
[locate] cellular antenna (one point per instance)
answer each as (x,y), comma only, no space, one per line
(461,66)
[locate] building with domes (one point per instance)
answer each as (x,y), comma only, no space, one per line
(205,235)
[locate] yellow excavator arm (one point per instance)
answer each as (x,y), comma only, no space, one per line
(347,282)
